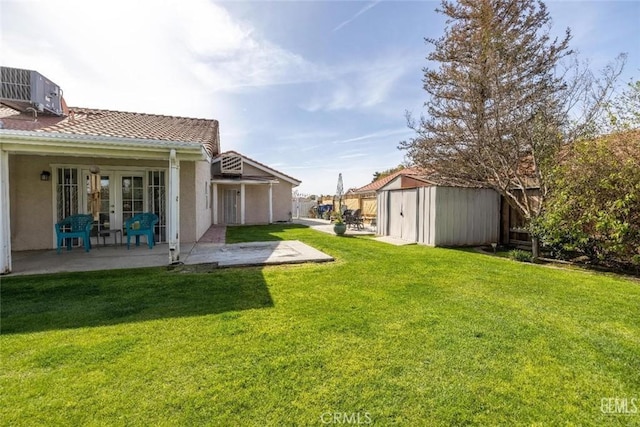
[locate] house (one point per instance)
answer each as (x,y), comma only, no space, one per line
(426,211)
(50,153)
(245,191)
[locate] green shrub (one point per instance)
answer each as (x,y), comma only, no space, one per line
(520,255)
(593,208)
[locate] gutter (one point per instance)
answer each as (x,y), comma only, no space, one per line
(8,136)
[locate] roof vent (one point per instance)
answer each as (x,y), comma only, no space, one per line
(231,164)
(25,89)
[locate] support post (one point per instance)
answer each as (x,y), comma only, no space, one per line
(215,203)
(5,215)
(174,208)
(242,204)
(270,203)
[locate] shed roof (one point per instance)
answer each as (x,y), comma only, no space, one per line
(379,183)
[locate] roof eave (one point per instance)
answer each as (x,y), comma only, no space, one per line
(72,144)
(294,182)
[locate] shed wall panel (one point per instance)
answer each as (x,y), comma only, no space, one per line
(466,216)
(382,211)
(426,215)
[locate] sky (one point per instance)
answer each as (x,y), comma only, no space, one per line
(309,88)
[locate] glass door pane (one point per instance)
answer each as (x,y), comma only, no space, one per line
(106,204)
(157,197)
(68,192)
(132,196)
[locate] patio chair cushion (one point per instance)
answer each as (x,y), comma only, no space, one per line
(141,224)
(78,225)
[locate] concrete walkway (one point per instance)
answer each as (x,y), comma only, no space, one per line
(215,234)
(326,226)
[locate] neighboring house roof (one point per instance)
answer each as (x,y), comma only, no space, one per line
(118,124)
(406,182)
(260,166)
(377,184)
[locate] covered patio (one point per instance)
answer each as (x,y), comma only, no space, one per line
(208,255)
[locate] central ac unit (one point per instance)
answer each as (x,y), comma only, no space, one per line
(27,89)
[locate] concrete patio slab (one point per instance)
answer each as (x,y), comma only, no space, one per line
(255,253)
(118,257)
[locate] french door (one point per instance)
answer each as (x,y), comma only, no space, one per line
(123,194)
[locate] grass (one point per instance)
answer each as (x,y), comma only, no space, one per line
(395,335)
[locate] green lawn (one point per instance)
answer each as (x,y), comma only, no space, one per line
(393,335)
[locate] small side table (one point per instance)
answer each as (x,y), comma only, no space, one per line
(108,232)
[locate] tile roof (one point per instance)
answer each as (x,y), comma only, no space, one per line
(118,124)
(257,163)
(377,184)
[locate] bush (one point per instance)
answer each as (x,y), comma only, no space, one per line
(520,255)
(593,208)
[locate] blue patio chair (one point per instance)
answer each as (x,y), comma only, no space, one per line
(78,225)
(141,224)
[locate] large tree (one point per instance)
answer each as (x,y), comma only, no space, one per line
(494,115)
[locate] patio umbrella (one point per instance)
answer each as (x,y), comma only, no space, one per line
(339,192)
(94,190)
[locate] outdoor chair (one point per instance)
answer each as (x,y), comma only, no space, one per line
(142,224)
(74,226)
(354,219)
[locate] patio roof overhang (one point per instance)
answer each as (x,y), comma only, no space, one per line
(48,143)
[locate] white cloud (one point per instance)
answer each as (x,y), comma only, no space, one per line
(129,55)
(354,17)
(358,85)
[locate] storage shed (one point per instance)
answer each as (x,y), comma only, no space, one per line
(439,215)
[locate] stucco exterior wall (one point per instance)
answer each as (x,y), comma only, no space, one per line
(195,206)
(257,204)
(260,205)
(282,201)
(31,203)
(187,202)
(202,198)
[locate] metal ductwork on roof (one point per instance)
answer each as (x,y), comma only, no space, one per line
(27,90)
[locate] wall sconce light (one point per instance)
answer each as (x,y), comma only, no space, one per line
(45,175)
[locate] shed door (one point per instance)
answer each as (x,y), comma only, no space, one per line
(395,214)
(409,216)
(402,214)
